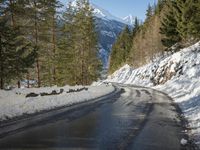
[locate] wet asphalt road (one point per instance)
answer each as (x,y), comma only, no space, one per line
(137,119)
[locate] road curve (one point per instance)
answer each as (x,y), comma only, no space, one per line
(136,119)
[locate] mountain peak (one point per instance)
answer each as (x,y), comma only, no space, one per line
(130,19)
(101,13)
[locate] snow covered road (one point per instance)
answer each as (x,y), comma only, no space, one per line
(138,119)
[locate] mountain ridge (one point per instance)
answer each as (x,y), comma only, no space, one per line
(103,14)
(108,28)
(130,19)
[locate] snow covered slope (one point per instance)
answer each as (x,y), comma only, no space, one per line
(100,12)
(129,19)
(104,14)
(16,103)
(178,75)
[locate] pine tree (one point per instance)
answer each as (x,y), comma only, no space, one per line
(66,58)
(85,42)
(160,5)
(149,12)
(38,24)
(186,15)
(54,5)
(78,49)
(7,53)
(121,49)
(135,30)
(32,22)
(181,23)
(93,64)
(194,15)
(48,42)
(169,27)
(72,59)
(16,55)
(184,12)
(80,23)
(136,26)
(12,11)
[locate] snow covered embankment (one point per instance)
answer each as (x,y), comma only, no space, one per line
(178,75)
(14,103)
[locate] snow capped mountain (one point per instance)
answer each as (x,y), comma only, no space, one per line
(129,19)
(108,28)
(104,14)
(100,12)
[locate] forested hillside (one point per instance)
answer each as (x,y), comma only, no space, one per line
(167,23)
(33,46)
(36,48)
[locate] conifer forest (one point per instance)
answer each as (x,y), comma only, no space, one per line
(39,43)
(167,23)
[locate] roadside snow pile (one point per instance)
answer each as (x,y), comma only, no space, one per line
(178,75)
(14,103)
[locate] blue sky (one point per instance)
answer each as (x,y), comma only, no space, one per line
(122,8)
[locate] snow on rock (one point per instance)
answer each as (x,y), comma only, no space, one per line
(110,34)
(183,142)
(14,103)
(178,75)
(129,19)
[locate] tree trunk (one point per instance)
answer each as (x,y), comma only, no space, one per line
(2,84)
(18,84)
(28,78)
(2,73)
(12,23)
(82,72)
(1,67)
(12,13)
(1,77)
(82,63)
(54,48)
(36,44)
(38,73)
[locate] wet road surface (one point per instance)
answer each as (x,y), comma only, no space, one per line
(136,119)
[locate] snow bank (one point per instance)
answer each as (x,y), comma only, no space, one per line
(14,103)
(178,75)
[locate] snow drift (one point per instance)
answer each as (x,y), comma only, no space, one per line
(14,103)
(178,75)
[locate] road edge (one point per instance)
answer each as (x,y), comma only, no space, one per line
(18,123)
